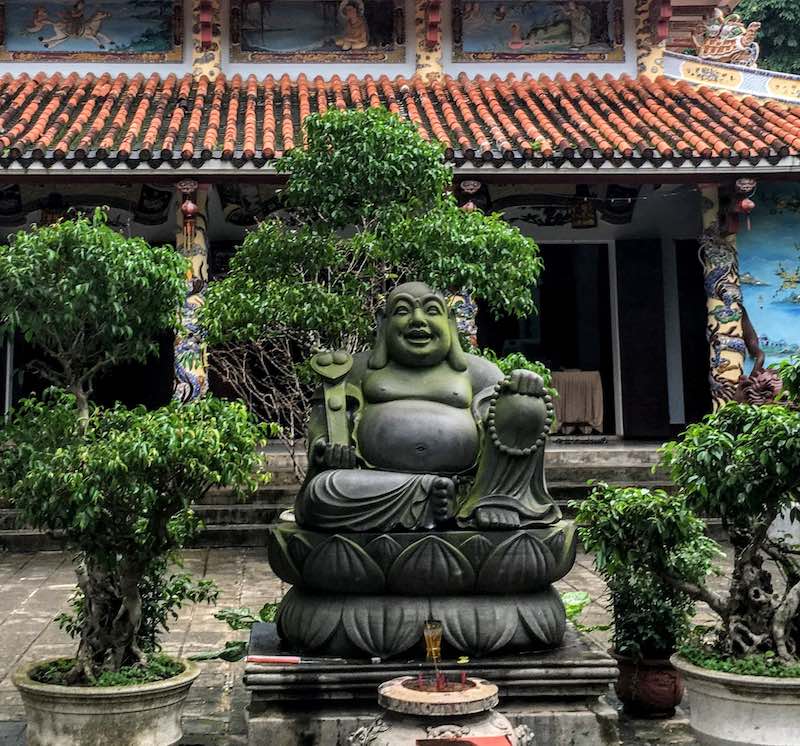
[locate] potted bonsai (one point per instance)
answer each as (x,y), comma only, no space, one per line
(742,464)
(116,483)
(651,616)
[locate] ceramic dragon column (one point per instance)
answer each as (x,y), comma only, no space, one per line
(724,303)
(425,498)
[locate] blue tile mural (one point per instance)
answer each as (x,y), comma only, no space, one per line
(769,266)
(77,28)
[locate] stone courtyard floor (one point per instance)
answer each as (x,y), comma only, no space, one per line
(35,587)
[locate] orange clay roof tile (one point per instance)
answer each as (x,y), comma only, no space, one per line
(119,118)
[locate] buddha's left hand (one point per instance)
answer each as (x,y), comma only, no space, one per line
(525,382)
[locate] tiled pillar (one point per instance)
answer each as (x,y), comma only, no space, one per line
(427,25)
(651,28)
(191,356)
(206,38)
(724,301)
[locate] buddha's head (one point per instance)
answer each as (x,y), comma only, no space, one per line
(417,331)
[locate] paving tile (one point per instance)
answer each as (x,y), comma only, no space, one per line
(34,588)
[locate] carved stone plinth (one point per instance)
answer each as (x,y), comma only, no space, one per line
(385,626)
(368,594)
(414,563)
(557,693)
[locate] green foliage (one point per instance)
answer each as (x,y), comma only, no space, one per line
(574,603)
(87,297)
(369,196)
(354,164)
(779,35)
(741,463)
(238,619)
(789,371)
(156,668)
(755,664)
(518,361)
(120,486)
(638,536)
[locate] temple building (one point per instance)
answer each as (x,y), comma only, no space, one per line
(634,165)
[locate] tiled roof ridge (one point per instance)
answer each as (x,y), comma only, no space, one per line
(487,118)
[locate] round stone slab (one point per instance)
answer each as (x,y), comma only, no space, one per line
(394,695)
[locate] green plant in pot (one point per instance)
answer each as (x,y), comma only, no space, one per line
(651,616)
(742,465)
(117,484)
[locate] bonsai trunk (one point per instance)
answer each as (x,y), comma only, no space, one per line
(109,623)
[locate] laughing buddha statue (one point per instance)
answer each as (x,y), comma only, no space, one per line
(425,494)
(432,434)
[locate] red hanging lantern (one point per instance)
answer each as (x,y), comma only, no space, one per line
(746,206)
(189,211)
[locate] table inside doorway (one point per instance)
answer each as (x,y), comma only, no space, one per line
(579,404)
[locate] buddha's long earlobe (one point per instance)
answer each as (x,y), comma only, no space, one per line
(380,352)
(456,357)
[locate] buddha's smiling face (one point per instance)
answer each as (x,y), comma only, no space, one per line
(417,326)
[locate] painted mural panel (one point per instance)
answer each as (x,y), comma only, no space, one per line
(318,30)
(590,30)
(769,266)
(146,30)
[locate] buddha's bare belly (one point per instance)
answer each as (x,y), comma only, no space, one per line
(412,435)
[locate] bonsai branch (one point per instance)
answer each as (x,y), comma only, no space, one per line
(700,593)
(782,621)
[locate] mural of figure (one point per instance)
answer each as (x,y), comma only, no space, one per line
(580,22)
(516,41)
(71,24)
(356,31)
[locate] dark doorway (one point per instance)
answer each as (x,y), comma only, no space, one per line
(693,318)
(643,354)
(573,328)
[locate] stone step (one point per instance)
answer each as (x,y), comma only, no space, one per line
(272,493)
(232,514)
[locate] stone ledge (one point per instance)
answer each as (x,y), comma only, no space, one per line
(576,671)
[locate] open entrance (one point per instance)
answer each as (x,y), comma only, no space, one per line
(571,335)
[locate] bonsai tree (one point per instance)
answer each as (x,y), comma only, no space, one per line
(87,298)
(651,615)
(119,486)
(368,208)
(117,483)
(742,464)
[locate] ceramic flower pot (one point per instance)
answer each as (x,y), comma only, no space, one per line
(649,688)
(138,715)
(734,710)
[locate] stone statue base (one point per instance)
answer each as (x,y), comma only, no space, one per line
(368,594)
(557,693)
(386,626)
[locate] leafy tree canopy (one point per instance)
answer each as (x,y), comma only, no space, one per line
(369,210)
(88,297)
(779,36)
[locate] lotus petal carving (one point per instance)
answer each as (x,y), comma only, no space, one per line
(431,566)
(564,547)
(544,618)
(384,550)
(340,565)
(520,564)
(309,625)
(280,561)
(476,549)
(382,629)
(477,626)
